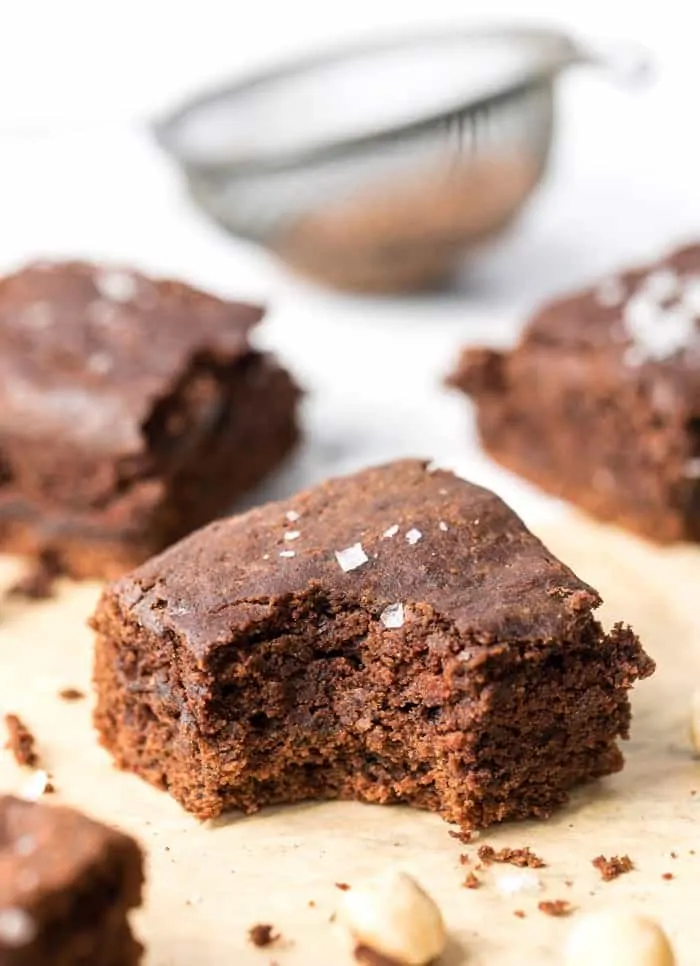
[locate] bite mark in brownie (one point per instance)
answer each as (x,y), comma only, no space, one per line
(67,885)
(599,402)
(236,677)
(126,422)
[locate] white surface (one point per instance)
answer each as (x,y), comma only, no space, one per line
(78,175)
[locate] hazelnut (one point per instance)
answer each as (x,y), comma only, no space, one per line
(394,916)
(618,938)
(695,721)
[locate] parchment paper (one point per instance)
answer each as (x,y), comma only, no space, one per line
(209,883)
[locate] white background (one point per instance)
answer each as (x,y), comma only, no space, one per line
(78,175)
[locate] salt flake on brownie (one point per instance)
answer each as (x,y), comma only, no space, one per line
(351,558)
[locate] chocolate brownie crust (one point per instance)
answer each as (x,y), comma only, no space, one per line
(417,644)
(67,885)
(599,403)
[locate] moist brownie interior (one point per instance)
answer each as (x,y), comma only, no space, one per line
(396,636)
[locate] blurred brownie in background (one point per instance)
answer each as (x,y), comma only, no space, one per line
(599,403)
(132,410)
(67,885)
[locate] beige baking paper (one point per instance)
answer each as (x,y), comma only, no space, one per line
(209,883)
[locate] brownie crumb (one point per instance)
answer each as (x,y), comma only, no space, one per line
(39,581)
(464,859)
(667,875)
(21,742)
(472,881)
(463,835)
(343,886)
(569,883)
(371,957)
(71,694)
(674,855)
(311,904)
(555,907)
(263,934)
(613,867)
(522,858)
(519,913)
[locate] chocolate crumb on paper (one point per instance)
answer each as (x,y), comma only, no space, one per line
(472,881)
(613,867)
(667,876)
(343,886)
(463,835)
(519,913)
(20,742)
(71,694)
(555,907)
(522,858)
(263,934)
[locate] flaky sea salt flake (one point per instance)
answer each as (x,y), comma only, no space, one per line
(292,516)
(611,292)
(38,316)
(413,536)
(351,558)
(17,928)
(391,531)
(690,296)
(661,285)
(657,333)
(25,845)
(116,285)
(443,526)
(292,534)
(287,553)
(392,616)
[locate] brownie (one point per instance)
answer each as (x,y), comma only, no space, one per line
(393,636)
(67,884)
(132,411)
(599,402)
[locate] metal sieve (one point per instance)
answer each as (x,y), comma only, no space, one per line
(375,166)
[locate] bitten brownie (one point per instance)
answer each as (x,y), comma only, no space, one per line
(132,411)
(393,636)
(67,884)
(599,403)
